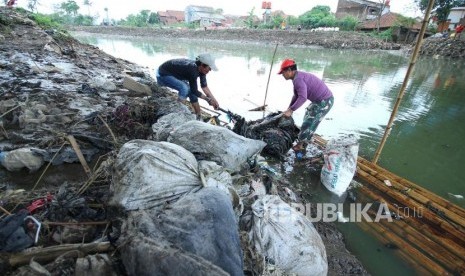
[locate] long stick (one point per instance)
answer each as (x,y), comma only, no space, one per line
(81,158)
(411,225)
(47,254)
(404,84)
(269,76)
(412,193)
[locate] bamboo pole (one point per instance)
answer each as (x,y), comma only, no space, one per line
(409,222)
(269,76)
(416,196)
(81,158)
(419,268)
(428,247)
(419,245)
(413,60)
(428,216)
(436,243)
(414,253)
(408,184)
(420,194)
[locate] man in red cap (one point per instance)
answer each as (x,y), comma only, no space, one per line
(306,87)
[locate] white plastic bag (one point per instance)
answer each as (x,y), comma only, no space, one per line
(340,163)
(17,159)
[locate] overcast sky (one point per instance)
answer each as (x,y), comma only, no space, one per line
(118,9)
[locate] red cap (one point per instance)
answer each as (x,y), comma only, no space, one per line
(286,63)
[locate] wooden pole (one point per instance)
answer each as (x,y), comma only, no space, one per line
(408,184)
(419,268)
(412,193)
(43,255)
(404,84)
(428,216)
(414,253)
(269,76)
(435,245)
(79,154)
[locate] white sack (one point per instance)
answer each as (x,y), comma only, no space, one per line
(214,143)
(167,123)
(340,164)
(149,174)
(284,235)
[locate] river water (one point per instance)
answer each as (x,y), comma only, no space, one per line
(425,145)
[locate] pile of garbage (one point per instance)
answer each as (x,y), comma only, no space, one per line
(277,131)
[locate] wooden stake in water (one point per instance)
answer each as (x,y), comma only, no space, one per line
(404,84)
(268,82)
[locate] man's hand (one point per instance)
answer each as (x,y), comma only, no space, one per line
(214,103)
(288,113)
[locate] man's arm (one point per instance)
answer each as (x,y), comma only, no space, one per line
(209,97)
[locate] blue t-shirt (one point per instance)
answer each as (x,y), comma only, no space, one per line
(183,69)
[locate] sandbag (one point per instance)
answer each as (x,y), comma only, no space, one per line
(340,158)
(149,174)
(214,143)
(143,256)
(286,238)
(167,123)
(200,224)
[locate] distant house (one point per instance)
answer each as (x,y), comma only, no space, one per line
(361,9)
(456,16)
(205,16)
(171,17)
(230,20)
(390,20)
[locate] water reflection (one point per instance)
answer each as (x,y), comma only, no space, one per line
(426,142)
(365,85)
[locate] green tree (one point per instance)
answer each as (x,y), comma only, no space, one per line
(249,22)
(441,7)
(319,16)
(143,19)
(154,18)
(293,21)
(348,23)
(70,7)
(84,20)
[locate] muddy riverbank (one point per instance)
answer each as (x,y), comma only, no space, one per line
(432,46)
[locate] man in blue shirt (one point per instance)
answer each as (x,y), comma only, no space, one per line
(181,75)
